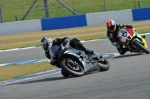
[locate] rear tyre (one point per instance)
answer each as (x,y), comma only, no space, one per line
(71,65)
(140,46)
(64,73)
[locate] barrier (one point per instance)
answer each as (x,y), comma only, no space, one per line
(141,14)
(63,22)
(20,26)
(90,19)
(102,17)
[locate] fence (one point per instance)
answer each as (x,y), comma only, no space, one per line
(16,10)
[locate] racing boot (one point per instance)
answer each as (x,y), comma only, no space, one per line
(123,51)
(143,36)
(89,52)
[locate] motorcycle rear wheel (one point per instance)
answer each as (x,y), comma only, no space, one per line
(64,73)
(72,66)
(140,46)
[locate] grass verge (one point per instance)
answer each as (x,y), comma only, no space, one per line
(13,10)
(33,39)
(83,33)
(16,71)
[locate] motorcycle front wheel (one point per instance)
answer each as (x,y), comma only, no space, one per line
(140,46)
(71,65)
(104,65)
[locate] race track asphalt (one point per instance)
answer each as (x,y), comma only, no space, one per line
(127,78)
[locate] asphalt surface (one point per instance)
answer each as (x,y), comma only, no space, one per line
(127,78)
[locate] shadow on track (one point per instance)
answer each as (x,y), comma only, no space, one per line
(44,80)
(54,78)
(51,79)
(129,55)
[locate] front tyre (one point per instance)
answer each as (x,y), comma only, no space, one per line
(71,65)
(140,46)
(104,65)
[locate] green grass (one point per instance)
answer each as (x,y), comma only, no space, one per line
(32,39)
(16,71)
(22,40)
(16,9)
(11,9)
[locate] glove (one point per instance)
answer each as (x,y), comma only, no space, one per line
(65,42)
(134,29)
(126,26)
(129,26)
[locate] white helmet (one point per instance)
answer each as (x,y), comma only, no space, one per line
(46,42)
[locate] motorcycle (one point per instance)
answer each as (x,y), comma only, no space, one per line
(133,41)
(75,62)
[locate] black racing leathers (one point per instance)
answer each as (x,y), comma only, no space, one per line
(113,37)
(75,43)
(57,41)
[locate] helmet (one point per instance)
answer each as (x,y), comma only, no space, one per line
(46,42)
(111,25)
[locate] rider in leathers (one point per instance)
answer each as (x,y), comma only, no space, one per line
(112,32)
(46,43)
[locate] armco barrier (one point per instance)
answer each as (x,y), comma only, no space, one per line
(20,26)
(74,21)
(63,22)
(141,14)
(101,17)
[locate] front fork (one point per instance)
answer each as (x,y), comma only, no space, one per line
(144,41)
(140,39)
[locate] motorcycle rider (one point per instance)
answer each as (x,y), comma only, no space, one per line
(112,34)
(46,43)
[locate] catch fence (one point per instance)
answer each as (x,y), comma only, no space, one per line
(17,10)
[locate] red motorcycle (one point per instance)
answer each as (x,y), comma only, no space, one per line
(133,41)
